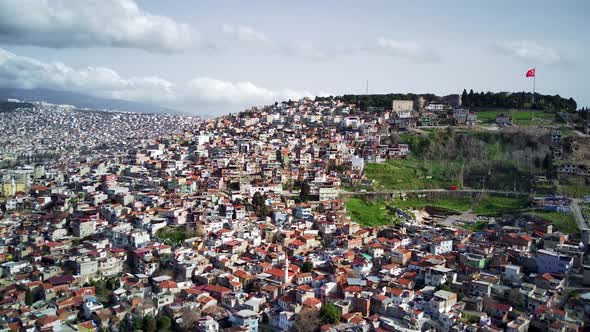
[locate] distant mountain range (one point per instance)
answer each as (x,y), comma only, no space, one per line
(81,100)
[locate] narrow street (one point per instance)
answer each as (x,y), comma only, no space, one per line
(582,223)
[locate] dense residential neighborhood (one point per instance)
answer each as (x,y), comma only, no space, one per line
(126,221)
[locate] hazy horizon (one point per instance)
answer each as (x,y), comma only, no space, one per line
(215,57)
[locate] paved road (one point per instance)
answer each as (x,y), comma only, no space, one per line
(582,223)
(580,134)
(397,192)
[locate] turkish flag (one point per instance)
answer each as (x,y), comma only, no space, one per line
(530,73)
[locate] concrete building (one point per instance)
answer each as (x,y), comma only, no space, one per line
(84,228)
(246,318)
(434,107)
(87,267)
(402,108)
(436,276)
(139,237)
(439,247)
(12,268)
(91,306)
(207,324)
(442,302)
(512,273)
(553,262)
(327,194)
(358,164)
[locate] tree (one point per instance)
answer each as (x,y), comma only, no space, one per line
(222,210)
(259,204)
(394,138)
(257,199)
(547,161)
(149,324)
(329,314)
(189,318)
(306,321)
(124,325)
(164,323)
(307,267)
(305,190)
(28,298)
(464,98)
(137,323)
(516,298)
(112,283)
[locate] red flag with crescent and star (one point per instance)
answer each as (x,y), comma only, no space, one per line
(530,73)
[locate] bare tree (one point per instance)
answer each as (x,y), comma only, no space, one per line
(307,320)
(189,316)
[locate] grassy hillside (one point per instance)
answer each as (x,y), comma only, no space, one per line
(378,213)
(519,117)
(486,206)
(573,187)
(563,222)
(505,160)
(412,174)
(368,213)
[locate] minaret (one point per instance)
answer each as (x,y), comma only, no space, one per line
(286,268)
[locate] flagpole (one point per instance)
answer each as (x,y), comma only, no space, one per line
(534,79)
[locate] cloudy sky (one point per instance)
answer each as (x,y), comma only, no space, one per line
(212,57)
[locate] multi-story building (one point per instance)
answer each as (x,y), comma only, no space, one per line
(549,261)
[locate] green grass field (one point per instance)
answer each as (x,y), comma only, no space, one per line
(368,213)
(486,206)
(409,174)
(563,222)
(573,187)
(171,235)
(450,205)
(523,118)
(496,205)
(376,213)
(476,226)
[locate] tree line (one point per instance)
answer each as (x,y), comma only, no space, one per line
(379,100)
(503,160)
(517,100)
(469,99)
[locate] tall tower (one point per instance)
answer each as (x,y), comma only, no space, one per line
(286,268)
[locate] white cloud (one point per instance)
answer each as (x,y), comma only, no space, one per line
(529,52)
(214,94)
(243,92)
(403,49)
(91,23)
(305,50)
(28,73)
(244,33)
(246,36)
